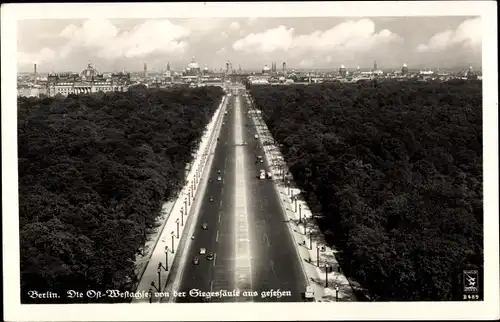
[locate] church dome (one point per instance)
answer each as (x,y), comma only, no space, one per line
(405,66)
(89,72)
(266,68)
(342,67)
(193,64)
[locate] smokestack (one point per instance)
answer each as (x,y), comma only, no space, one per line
(145,69)
(34,67)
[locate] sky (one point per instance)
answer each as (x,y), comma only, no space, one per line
(58,45)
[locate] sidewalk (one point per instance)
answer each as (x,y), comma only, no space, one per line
(157,265)
(309,239)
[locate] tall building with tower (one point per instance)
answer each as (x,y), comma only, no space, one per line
(342,71)
(35,76)
(404,69)
(375,65)
(145,69)
(266,70)
(168,73)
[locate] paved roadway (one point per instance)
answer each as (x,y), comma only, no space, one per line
(247,231)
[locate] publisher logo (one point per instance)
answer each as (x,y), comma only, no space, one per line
(471,281)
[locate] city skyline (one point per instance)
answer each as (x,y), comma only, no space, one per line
(303,43)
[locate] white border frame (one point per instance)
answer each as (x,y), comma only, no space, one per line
(14,311)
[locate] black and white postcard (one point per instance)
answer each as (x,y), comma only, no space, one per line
(292,161)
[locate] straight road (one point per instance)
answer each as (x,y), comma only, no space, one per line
(252,245)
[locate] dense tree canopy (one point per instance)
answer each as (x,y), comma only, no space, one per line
(93,174)
(395,169)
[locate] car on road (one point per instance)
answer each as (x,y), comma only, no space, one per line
(203,251)
(204,226)
(256,136)
(269,175)
(309,294)
(219,178)
(262,174)
(260,159)
(211,198)
(210,256)
(196,261)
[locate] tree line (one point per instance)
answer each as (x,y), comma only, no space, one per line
(94,171)
(393,171)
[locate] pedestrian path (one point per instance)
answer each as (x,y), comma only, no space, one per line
(156,265)
(318,259)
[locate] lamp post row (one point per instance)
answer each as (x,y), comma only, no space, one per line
(318,247)
(184,212)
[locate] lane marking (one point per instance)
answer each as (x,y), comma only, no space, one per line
(220,213)
(215,257)
(242,264)
(217,237)
(267,240)
(211,285)
(220,203)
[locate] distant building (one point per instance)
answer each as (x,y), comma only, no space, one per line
(342,71)
(470,74)
(193,69)
(87,81)
(266,70)
(404,70)
(31,90)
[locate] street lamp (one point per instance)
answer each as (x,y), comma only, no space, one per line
(172,233)
(326,274)
(300,213)
(182,217)
(310,239)
(159,276)
(295,197)
(189,197)
(288,184)
(185,206)
(177,222)
(166,258)
(336,293)
(317,255)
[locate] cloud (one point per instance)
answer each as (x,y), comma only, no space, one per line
(279,38)
(305,63)
(347,36)
(44,55)
(468,34)
(153,36)
(234,25)
(108,42)
(252,20)
(202,26)
(221,51)
(224,35)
